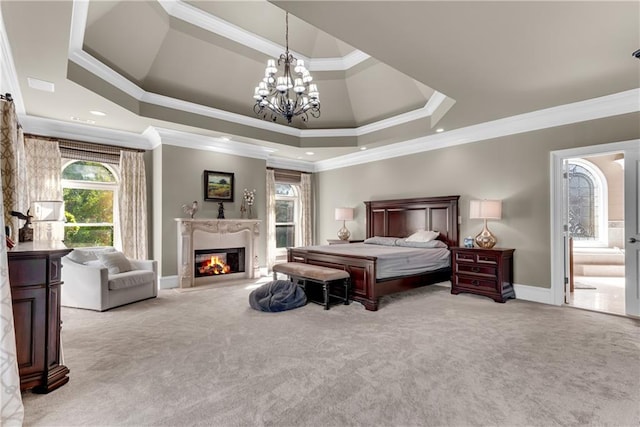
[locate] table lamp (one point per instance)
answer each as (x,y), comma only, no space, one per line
(344,214)
(485,209)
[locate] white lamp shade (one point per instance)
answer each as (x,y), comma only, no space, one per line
(344,214)
(48,210)
(485,209)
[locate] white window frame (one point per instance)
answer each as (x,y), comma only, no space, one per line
(282,252)
(601,199)
(97,185)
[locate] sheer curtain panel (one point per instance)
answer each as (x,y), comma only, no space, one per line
(44,170)
(306,202)
(132,201)
(271,218)
(11,409)
(14,171)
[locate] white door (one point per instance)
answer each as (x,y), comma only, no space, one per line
(632,229)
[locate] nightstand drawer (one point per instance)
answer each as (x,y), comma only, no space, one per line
(476,282)
(477,269)
(473,257)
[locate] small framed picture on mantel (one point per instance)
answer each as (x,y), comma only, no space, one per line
(218,186)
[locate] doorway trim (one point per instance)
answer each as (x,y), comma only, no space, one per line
(557,221)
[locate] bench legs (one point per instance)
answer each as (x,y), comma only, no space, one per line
(302,282)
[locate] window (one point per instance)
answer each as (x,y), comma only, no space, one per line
(587,210)
(90,197)
(287,211)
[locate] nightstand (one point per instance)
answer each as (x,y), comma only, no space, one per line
(487,272)
(342,242)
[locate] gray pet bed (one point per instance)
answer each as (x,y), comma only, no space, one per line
(279,295)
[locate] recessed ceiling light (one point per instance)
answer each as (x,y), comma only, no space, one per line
(309,153)
(98,113)
(363,148)
(299,157)
(41,85)
(439,130)
(225,139)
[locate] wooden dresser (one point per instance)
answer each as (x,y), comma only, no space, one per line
(35,272)
(487,272)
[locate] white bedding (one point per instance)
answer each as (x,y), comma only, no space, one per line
(393,261)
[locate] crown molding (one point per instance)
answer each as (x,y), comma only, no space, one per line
(8,75)
(208,143)
(591,109)
(199,18)
(299,165)
(83,132)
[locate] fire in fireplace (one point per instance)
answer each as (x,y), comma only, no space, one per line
(212,262)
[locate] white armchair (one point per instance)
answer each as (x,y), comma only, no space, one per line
(98,284)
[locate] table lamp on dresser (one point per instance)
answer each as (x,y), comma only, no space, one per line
(485,209)
(344,214)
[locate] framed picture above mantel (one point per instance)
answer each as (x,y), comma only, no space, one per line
(218,186)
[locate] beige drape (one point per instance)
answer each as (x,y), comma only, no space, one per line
(306,216)
(132,201)
(14,171)
(11,408)
(271,218)
(44,170)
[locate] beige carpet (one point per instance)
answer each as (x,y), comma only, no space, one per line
(426,358)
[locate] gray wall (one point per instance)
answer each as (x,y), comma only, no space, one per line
(515,169)
(178,180)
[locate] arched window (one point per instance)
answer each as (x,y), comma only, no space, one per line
(287,212)
(90,197)
(587,203)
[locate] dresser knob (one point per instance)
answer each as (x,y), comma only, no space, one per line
(475,283)
(475,269)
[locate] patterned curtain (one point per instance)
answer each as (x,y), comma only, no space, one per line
(271,218)
(13,167)
(44,170)
(132,200)
(11,408)
(306,219)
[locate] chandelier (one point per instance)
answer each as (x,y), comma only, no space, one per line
(284,95)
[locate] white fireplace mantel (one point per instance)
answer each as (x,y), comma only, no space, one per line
(192,233)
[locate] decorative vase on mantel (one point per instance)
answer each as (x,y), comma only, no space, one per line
(249,213)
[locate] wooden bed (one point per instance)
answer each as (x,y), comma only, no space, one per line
(394,218)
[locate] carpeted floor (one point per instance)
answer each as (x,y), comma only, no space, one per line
(425,358)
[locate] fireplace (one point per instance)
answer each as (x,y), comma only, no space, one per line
(214,262)
(203,238)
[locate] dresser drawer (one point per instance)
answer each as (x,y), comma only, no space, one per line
(28,272)
(477,269)
(471,282)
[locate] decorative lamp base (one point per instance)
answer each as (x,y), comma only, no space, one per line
(485,239)
(343,233)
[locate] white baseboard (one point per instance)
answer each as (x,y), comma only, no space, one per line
(534,294)
(168,282)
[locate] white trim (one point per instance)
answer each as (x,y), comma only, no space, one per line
(213,24)
(201,142)
(557,221)
(82,132)
(591,109)
(299,165)
(534,294)
(8,75)
(167,282)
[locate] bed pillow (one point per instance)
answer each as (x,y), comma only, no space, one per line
(115,262)
(429,244)
(423,236)
(380,240)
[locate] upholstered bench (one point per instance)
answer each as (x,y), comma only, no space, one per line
(302,273)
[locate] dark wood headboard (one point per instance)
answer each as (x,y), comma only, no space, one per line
(403,217)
